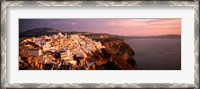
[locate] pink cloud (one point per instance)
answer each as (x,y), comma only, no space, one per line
(73,23)
(126,23)
(146,27)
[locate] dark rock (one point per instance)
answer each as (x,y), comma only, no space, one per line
(117,55)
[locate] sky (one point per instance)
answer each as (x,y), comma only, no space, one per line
(123,27)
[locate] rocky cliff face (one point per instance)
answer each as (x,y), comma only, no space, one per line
(117,55)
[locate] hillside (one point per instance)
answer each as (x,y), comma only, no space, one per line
(39,32)
(117,55)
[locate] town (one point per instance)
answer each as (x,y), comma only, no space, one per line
(57,52)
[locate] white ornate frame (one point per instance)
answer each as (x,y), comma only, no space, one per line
(5,4)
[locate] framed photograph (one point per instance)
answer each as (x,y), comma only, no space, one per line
(100,44)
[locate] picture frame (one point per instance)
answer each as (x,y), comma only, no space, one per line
(4,54)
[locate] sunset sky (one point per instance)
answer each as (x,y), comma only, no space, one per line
(125,27)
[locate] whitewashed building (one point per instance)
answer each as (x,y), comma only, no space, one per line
(60,35)
(66,35)
(54,36)
(75,37)
(33,39)
(46,46)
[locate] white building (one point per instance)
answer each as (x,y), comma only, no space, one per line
(72,62)
(66,35)
(68,53)
(33,39)
(75,37)
(38,43)
(99,45)
(65,54)
(46,45)
(60,35)
(54,36)
(45,37)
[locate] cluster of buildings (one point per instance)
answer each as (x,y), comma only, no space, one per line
(72,49)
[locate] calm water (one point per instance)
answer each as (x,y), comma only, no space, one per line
(156,53)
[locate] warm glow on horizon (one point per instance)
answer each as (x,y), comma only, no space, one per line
(125,27)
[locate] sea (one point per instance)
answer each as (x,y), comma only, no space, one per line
(156,53)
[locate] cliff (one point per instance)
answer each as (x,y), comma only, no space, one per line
(117,55)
